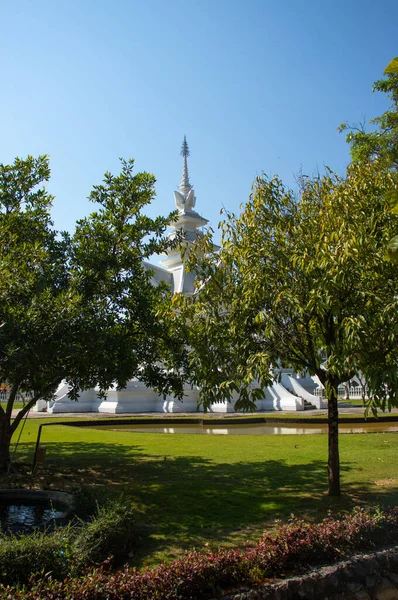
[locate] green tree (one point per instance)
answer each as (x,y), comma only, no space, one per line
(81,307)
(381,143)
(299,282)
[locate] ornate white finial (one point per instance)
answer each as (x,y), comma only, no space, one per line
(185,186)
(185,148)
(185,198)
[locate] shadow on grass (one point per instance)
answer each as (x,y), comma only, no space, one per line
(190,500)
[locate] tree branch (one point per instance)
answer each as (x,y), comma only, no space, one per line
(23,412)
(11,398)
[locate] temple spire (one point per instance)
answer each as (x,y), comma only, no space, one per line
(185,186)
(187,224)
(185,196)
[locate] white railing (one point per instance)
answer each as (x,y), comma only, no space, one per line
(353,392)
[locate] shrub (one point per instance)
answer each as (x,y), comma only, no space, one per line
(202,575)
(86,502)
(21,556)
(68,550)
(301,543)
(109,535)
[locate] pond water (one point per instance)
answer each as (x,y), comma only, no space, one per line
(254,428)
(24,516)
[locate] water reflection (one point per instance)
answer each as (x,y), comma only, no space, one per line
(24,516)
(256,428)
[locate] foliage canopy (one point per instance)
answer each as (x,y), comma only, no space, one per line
(300,282)
(381,143)
(82,307)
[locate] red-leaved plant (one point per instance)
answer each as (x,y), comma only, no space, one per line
(291,547)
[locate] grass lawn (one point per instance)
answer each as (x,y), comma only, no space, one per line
(192,490)
(358,402)
(17,405)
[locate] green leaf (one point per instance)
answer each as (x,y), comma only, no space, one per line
(392,250)
(392,67)
(392,199)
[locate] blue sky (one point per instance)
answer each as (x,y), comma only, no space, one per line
(255,85)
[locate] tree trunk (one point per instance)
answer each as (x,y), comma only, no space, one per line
(333,441)
(5,441)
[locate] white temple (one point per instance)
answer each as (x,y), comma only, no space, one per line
(290,393)
(188,222)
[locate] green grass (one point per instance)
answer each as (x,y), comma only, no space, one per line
(17,405)
(192,490)
(357,402)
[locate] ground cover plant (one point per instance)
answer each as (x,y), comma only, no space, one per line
(193,490)
(293,547)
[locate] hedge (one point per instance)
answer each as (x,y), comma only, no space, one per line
(291,547)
